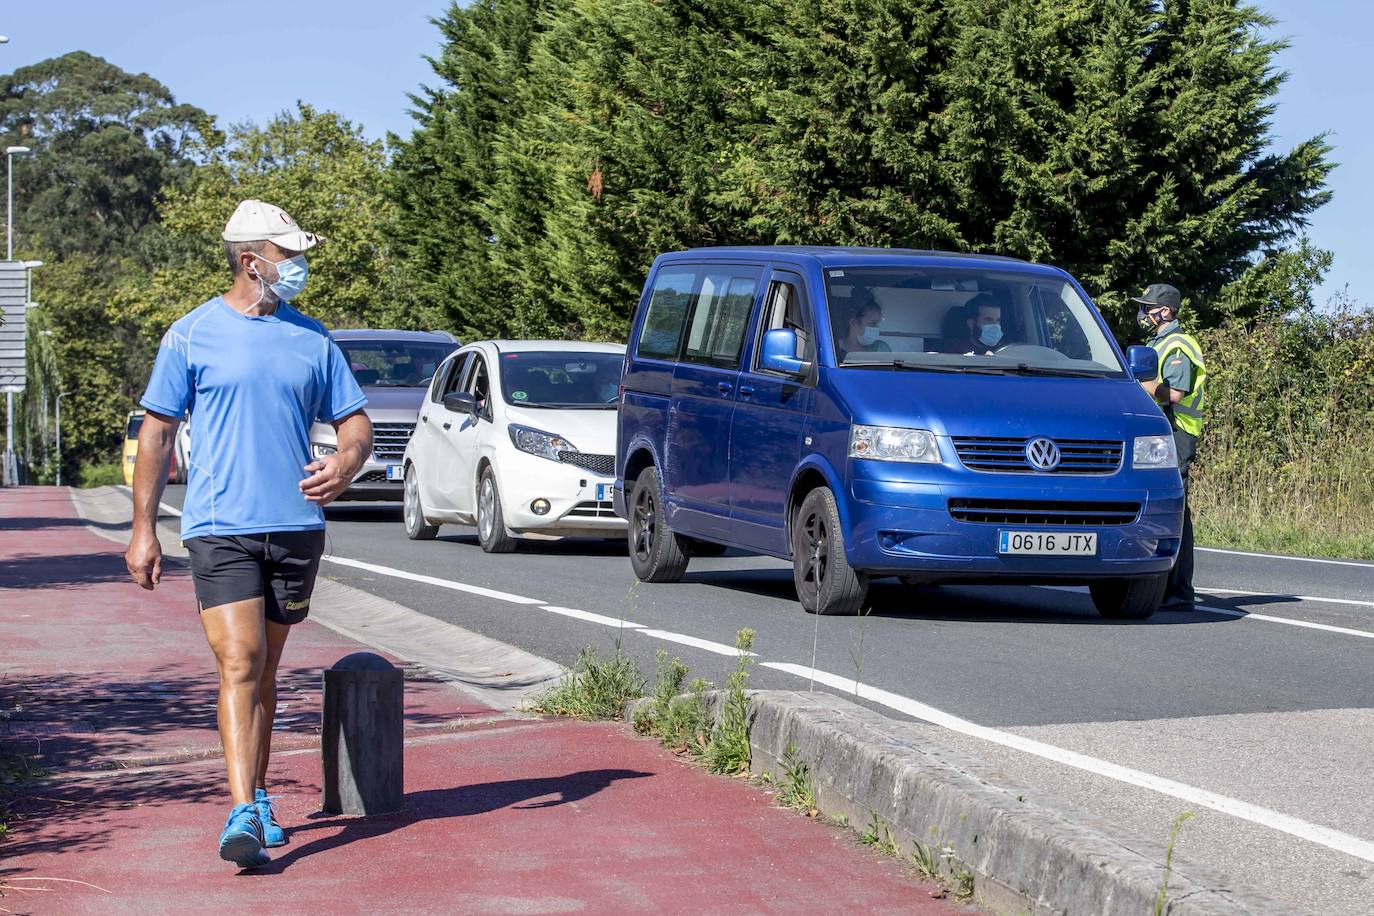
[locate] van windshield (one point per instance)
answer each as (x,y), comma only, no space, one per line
(965,320)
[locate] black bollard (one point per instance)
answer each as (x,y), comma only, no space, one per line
(362,744)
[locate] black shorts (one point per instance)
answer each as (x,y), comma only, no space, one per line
(278,567)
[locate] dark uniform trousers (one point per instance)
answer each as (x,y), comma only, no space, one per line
(1181,577)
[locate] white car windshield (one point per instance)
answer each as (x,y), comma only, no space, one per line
(965,320)
(559,379)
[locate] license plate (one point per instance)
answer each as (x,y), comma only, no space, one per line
(604,491)
(395,472)
(1048,543)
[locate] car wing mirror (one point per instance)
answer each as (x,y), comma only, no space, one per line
(461,402)
(1144,363)
(779,353)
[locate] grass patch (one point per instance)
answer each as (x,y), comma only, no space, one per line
(596,688)
(797,789)
(1161,902)
(728,750)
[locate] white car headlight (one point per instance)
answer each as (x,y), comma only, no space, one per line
(538,442)
(320,451)
(891,443)
(1154,452)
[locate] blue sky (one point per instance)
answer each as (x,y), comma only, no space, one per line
(360,58)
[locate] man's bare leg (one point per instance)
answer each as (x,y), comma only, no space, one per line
(267,692)
(237,635)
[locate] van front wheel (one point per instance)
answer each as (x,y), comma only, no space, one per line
(826,584)
(1129,599)
(656,553)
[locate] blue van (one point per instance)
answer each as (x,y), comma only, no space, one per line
(875,412)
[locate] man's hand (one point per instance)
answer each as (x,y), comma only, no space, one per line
(144,559)
(328,479)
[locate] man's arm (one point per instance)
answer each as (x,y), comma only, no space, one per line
(156,441)
(331,475)
(1160,391)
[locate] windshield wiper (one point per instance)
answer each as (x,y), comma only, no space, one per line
(1028,369)
(925,367)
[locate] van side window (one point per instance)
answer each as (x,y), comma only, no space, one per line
(667,313)
(785,307)
(720,317)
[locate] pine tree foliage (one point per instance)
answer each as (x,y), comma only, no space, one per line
(569,141)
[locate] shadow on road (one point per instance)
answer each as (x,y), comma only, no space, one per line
(459,801)
(972,604)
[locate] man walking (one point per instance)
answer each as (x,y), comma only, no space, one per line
(1181,390)
(255,373)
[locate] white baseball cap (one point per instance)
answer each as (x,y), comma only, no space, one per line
(256,220)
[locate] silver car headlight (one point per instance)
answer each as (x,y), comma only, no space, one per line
(538,442)
(321,451)
(1154,452)
(892,443)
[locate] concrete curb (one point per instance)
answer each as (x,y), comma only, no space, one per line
(1028,852)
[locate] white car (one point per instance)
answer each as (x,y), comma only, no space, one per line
(517,437)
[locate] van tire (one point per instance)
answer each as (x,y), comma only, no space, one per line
(413,511)
(826,584)
(1129,599)
(491,521)
(656,553)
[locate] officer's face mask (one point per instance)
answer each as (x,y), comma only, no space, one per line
(990,335)
(869,335)
(1149,319)
(291,276)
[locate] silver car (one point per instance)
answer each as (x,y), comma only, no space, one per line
(393,368)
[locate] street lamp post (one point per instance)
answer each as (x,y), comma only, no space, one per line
(10,153)
(60,396)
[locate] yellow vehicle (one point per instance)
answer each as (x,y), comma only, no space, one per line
(131,428)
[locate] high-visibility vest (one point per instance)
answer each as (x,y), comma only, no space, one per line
(1187,414)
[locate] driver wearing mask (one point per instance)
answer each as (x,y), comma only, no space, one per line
(983,327)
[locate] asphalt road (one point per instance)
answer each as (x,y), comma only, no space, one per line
(1258,716)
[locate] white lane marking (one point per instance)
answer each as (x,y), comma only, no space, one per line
(432,580)
(1315,598)
(1306,624)
(588,616)
(1315,833)
(169,510)
(1280,556)
(1268,618)
(719,648)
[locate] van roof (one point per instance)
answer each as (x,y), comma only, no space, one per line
(828,255)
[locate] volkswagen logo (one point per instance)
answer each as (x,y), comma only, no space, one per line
(1042,454)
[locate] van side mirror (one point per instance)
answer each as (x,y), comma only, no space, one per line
(1144,363)
(461,402)
(779,353)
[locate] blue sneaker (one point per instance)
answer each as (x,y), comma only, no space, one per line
(272,834)
(241,842)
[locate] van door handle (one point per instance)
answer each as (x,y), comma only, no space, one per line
(725,387)
(746,391)
(447,424)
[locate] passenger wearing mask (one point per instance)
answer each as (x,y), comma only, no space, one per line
(982,327)
(862,332)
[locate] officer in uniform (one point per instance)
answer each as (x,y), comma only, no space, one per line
(1181,390)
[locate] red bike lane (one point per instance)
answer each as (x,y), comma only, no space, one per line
(112,690)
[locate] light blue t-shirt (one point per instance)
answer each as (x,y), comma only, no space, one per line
(253,386)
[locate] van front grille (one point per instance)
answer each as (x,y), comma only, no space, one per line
(1043,512)
(1008,455)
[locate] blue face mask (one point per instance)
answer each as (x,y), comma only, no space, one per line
(291,276)
(869,335)
(990,335)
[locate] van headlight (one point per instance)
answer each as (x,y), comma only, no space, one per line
(538,442)
(1154,452)
(892,443)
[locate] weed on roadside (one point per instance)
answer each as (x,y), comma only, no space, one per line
(595,688)
(678,721)
(796,788)
(878,834)
(728,750)
(1161,902)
